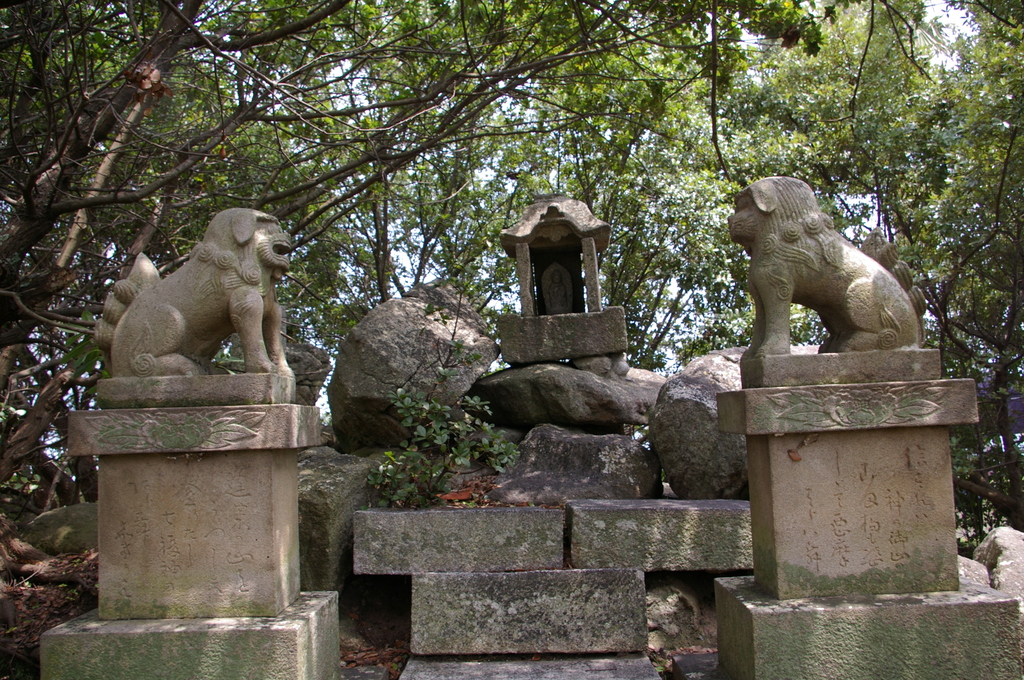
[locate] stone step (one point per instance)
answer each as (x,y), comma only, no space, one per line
(364,673)
(563,612)
(660,534)
(620,667)
(457,540)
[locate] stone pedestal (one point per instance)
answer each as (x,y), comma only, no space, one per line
(533,339)
(852,523)
(198,536)
(299,644)
(967,633)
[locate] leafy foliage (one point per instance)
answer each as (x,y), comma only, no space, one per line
(440,445)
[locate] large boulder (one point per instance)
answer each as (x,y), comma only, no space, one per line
(563,395)
(680,610)
(332,486)
(973,571)
(699,461)
(310,364)
(403,343)
(557,464)
(71,529)
(1002,552)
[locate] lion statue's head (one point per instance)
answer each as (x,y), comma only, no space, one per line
(248,243)
(781,214)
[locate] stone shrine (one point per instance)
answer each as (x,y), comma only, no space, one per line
(851,500)
(561,314)
(198,477)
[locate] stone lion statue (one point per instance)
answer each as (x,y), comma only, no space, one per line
(174,326)
(866,299)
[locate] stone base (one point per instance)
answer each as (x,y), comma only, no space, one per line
(300,644)
(970,633)
(660,534)
(804,366)
(195,390)
(202,535)
(532,339)
(530,612)
(622,667)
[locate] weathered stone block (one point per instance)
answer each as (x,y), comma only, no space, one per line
(968,633)
(300,644)
(806,367)
(556,464)
(566,612)
(821,408)
(465,540)
(621,667)
(332,488)
(195,390)
(193,430)
(664,534)
(868,511)
(195,536)
(531,339)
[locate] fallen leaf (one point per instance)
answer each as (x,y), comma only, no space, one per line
(463,495)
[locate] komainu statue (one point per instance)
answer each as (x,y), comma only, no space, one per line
(865,297)
(174,326)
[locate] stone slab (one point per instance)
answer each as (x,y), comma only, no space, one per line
(660,534)
(532,339)
(198,390)
(530,612)
(365,673)
(457,540)
(823,408)
(866,511)
(621,667)
(198,536)
(697,667)
(969,633)
(300,644)
(806,367)
(188,430)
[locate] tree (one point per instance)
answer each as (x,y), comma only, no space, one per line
(367,126)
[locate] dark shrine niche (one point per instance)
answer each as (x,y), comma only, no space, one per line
(566,268)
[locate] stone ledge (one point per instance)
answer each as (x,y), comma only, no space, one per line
(806,367)
(193,430)
(198,390)
(823,408)
(532,339)
(621,667)
(463,540)
(300,644)
(939,636)
(529,612)
(663,534)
